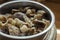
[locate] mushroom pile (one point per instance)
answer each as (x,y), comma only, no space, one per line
(23,22)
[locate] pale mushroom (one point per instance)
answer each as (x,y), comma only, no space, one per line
(13,30)
(38,16)
(41,12)
(11,21)
(24,29)
(19,22)
(27,20)
(29,11)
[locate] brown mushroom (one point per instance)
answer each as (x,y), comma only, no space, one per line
(26,8)
(2,18)
(8,15)
(32,30)
(21,9)
(39,24)
(33,11)
(15,10)
(18,15)
(47,22)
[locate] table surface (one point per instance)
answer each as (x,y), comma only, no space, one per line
(55,7)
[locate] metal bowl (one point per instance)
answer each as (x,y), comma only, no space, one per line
(6,7)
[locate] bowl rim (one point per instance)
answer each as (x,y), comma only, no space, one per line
(32,36)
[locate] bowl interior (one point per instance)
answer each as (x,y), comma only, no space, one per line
(7,8)
(15,5)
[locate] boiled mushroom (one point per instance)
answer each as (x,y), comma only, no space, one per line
(18,15)
(15,10)
(3,18)
(24,29)
(41,12)
(47,22)
(38,16)
(27,20)
(11,21)
(19,22)
(13,30)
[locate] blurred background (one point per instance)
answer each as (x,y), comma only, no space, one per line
(54,5)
